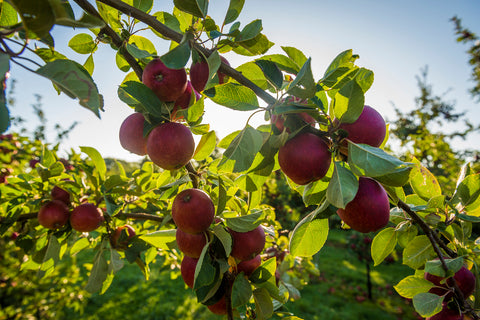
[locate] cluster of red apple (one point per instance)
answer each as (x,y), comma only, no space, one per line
(193,212)
(170,145)
(464,279)
(369,210)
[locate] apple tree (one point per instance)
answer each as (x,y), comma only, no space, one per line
(202,209)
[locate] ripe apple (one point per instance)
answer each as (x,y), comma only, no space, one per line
(86,217)
(119,242)
(219,307)
(369,210)
(464,278)
(168,84)
(187,269)
(185,101)
(193,211)
(304,158)
(190,244)
(53,215)
(369,128)
(199,74)
(32,163)
(170,145)
(131,134)
(248,266)
(247,245)
(58,193)
(446,314)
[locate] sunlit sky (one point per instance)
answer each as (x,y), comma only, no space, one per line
(395,39)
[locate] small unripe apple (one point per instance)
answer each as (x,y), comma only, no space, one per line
(305,158)
(446,314)
(53,215)
(116,240)
(370,210)
(61,195)
(131,134)
(86,217)
(247,245)
(168,84)
(369,128)
(190,244)
(248,266)
(199,74)
(187,270)
(185,101)
(193,211)
(219,307)
(170,145)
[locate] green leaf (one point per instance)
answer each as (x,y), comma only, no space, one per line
(243,149)
(296,55)
(271,72)
(196,110)
(283,62)
(258,45)
(250,31)
(82,43)
(253,72)
(47,54)
(348,102)
(371,161)
(122,64)
(160,239)
(177,58)
(468,194)
(233,96)
(143,5)
(418,252)
(136,52)
(135,93)
(205,146)
(303,86)
(8,15)
(413,285)
(345,58)
(168,20)
(51,258)
(245,223)
(383,244)
(342,187)
(263,303)
(4,113)
(241,291)
(396,178)
(427,304)
(423,182)
(308,237)
(234,9)
(99,273)
(314,192)
(75,81)
(198,8)
(364,78)
(89,64)
(435,267)
(97,159)
(141,44)
(214,62)
(465,217)
(4,64)
(225,238)
(79,245)
(85,21)
(37,16)
(110,15)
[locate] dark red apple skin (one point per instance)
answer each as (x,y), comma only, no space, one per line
(190,244)
(193,211)
(369,128)
(168,84)
(370,210)
(114,240)
(304,158)
(464,278)
(219,307)
(131,134)
(60,194)
(53,215)
(199,74)
(170,145)
(446,314)
(185,101)
(247,245)
(248,266)
(86,217)
(187,270)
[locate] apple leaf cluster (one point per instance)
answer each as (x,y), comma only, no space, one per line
(320,132)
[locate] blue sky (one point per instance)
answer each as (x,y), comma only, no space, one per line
(395,39)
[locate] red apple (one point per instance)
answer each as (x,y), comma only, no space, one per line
(304,158)
(193,211)
(170,145)
(369,128)
(131,134)
(32,163)
(117,242)
(248,266)
(168,84)
(60,194)
(219,307)
(464,278)
(199,74)
(187,269)
(190,244)
(446,314)
(370,210)
(185,101)
(53,215)
(86,217)
(247,245)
